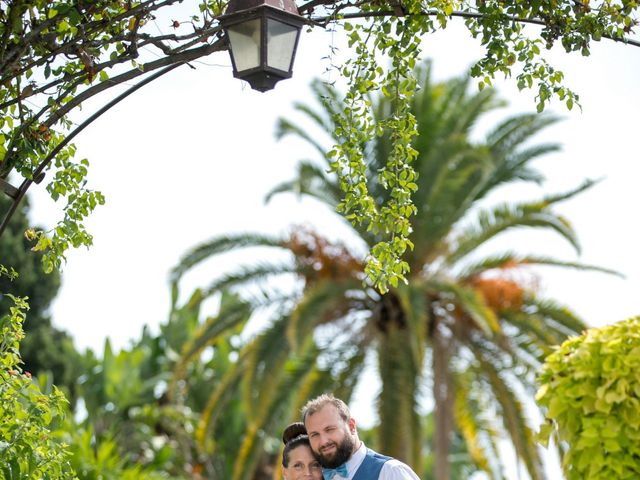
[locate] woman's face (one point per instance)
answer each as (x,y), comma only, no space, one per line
(302,465)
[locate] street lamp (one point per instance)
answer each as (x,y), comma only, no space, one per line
(263,36)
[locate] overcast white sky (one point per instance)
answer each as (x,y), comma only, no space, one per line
(191,156)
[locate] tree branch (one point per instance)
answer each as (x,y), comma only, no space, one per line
(390,13)
(178,58)
(88,30)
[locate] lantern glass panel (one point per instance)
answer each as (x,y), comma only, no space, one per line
(281,41)
(245,44)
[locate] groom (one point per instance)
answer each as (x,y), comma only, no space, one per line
(335,443)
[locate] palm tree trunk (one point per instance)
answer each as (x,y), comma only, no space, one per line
(443,398)
(399,432)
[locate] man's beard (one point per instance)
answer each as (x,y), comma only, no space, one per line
(343,452)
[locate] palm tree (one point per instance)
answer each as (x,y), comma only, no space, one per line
(467,324)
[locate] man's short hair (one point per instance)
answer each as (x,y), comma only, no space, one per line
(316,404)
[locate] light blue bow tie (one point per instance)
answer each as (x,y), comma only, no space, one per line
(329,473)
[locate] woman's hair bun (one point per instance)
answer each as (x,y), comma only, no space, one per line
(292,431)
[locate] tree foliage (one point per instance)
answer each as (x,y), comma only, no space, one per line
(590,391)
(56,55)
(131,430)
(45,347)
(143,405)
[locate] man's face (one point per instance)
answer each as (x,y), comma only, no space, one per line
(332,439)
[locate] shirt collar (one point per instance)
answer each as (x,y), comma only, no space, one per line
(356,459)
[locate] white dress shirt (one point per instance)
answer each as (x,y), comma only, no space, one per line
(391,470)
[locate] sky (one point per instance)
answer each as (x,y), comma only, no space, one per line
(191,156)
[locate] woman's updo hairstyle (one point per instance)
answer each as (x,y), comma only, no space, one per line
(292,431)
(292,437)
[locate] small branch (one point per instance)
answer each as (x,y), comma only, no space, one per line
(310,6)
(7,164)
(198,34)
(11,18)
(40,90)
(26,40)
(461,14)
(70,46)
(88,30)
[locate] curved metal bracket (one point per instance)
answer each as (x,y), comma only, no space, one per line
(9,189)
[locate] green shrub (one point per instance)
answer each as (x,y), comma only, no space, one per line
(28,450)
(590,389)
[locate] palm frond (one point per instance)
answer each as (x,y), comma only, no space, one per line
(470,425)
(248,454)
(510,260)
(218,245)
(560,197)
(327,99)
(264,363)
(462,115)
(310,180)
(471,302)
(312,307)
(514,167)
(442,168)
(340,376)
(501,218)
(216,403)
(516,130)
(535,336)
(253,273)
(514,418)
(274,405)
(348,376)
(448,195)
(317,381)
(286,127)
(561,316)
(233,315)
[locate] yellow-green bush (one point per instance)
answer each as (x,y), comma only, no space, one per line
(590,389)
